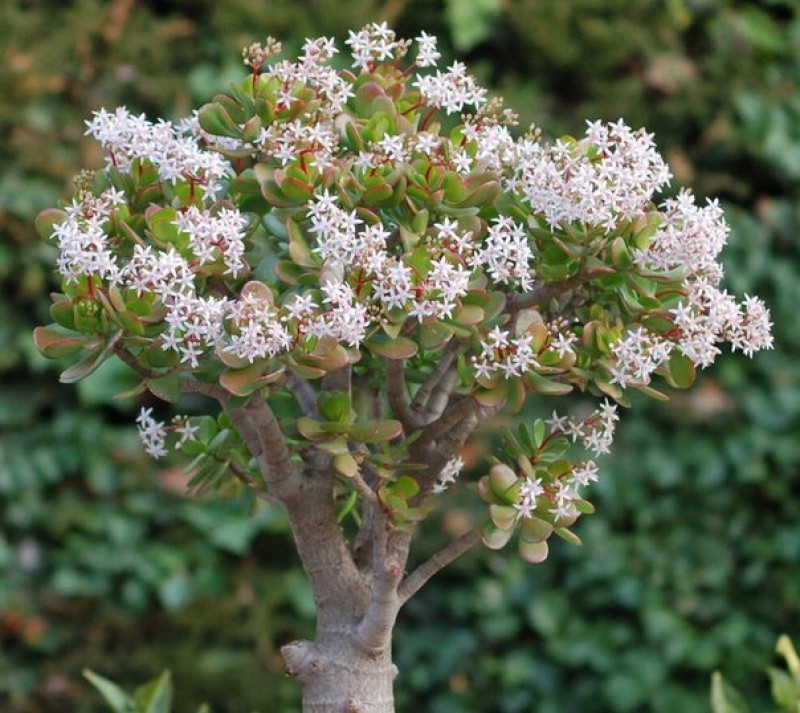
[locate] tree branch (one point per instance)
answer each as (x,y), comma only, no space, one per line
(213,391)
(398,395)
(446,447)
(375,630)
(306,495)
(547,291)
(339,380)
(304,394)
(133,362)
(274,458)
(421,397)
(416,580)
(372,513)
(440,397)
(455,412)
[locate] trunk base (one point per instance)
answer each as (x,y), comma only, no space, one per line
(339,677)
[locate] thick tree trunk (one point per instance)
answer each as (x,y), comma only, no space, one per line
(338,676)
(358,591)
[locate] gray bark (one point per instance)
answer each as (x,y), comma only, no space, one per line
(338,676)
(358,590)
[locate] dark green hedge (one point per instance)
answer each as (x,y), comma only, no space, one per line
(693,560)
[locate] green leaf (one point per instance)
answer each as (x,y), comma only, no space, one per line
(86,366)
(533,552)
(119,701)
(493,537)
(404,487)
(503,516)
(454,189)
(311,428)
(785,691)
(296,190)
(336,446)
(533,529)
(568,535)
(466,315)
(308,372)
(542,385)
(434,336)
(682,371)
(400,348)
(495,397)
(785,648)
(155,696)
(538,431)
(243,382)
(347,508)
(137,390)
(215,120)
(502,482)
(345,464)
(62,313)
(167,388)
(335,405)
(482,196)
(55,342)
(47,220)
(378,194)
(299,250)
(724,697)
(374,431)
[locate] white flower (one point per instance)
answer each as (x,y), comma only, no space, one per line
(427,54)
(451,90)
(212,236)
(608,177)
(529,491)
(372,43)
(152,433)
(185,430)
(584,473)
(448,474)
(563,343)
(502,353)
(506,254)
(176,155)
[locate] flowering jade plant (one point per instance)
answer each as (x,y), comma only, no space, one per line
(360,268)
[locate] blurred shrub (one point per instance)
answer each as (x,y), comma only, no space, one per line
(725,698)
(690,563)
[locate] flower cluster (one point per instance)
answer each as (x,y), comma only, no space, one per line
(689,238)
(451,90)
(596,434)
(448,475)
(318,216)
(287,142)
(504,354)
(343,241)
(82,239)
(176,155)
(256,330)
(312,70)
(153,433)
(215,236)
(506,253)
(344,318)
(607,178)
(372,44)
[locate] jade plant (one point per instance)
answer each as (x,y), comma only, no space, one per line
(366,267)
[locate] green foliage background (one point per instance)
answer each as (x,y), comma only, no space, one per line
(693,560)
